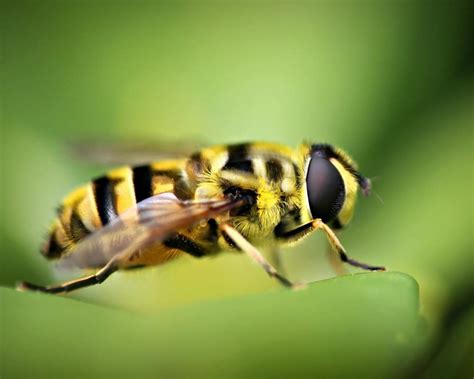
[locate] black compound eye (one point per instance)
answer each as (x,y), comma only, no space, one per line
(325,189)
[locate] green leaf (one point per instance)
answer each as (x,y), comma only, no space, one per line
(357,325)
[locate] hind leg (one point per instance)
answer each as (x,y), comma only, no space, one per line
(90,280)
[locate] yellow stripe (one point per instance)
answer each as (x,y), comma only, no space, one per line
(163,183)
(240,179)
(351,187)
(172,164)
(123,189)
(273,148)
(87,209)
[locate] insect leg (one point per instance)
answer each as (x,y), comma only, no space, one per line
(275,259)
(335,262)
(337,246)
(182,242)
(90,280)
(303,230)
(297,233)
(253,253)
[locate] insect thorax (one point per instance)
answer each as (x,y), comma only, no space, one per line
(266,173)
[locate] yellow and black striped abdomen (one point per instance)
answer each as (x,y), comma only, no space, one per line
(94,205)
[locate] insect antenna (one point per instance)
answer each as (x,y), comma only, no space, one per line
(379,198)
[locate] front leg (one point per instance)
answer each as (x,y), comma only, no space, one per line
(303,230)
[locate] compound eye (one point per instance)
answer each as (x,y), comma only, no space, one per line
(325,189)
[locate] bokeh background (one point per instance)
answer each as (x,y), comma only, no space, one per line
(392,83)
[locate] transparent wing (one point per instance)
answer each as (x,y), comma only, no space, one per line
(150,221)
(131,152)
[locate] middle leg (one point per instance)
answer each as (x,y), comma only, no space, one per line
(253,253)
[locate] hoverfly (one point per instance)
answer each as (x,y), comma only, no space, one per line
(226,197)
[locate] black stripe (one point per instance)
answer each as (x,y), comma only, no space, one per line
(238,152)
(104,197)
(52,249)
(327,151)
(274,170)
(181,242)
(323,150)
(239,158)
(299,181)
(198,164)
(142,182)
(77,227)
(213,230)
(245,166)
(174,174)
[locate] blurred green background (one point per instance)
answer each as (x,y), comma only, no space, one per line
(392,83)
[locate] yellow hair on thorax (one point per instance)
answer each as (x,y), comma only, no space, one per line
(268,206)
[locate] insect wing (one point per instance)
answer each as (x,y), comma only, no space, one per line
(150,221)
(119,153)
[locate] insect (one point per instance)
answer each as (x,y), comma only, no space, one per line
(228,197)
